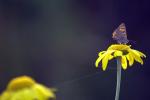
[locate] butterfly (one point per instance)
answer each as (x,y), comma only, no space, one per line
(120,34)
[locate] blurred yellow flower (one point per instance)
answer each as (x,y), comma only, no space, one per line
(119,50)
(25,88)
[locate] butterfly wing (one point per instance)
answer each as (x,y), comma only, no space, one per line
(120,34)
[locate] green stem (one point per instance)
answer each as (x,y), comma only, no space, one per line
(118,78)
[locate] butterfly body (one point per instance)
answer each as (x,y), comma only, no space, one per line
(120,34)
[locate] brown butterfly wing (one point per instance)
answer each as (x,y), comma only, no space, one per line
(120,34)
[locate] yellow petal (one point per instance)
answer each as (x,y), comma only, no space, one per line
(99,59)
(136,56)
(105,62)
(119,47)
(140,53)
(5,96)
(130,59)
(117,53)
(111,57)
(124,62)
(101,53)
(43,92)
(105,59)
(20,82)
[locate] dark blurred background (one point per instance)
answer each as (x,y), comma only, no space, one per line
(57,41)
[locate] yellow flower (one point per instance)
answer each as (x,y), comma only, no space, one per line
(25,88)
(120,50)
